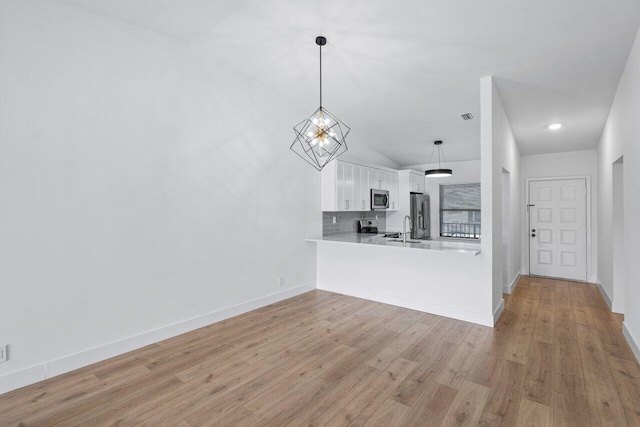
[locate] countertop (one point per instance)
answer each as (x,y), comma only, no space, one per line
(466,248)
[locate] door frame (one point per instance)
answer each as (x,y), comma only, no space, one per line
(526,236)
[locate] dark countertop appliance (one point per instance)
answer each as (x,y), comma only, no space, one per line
(368,226)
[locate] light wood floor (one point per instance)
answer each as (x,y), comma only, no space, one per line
(556,357)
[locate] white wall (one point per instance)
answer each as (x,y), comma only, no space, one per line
(621,137)
(575,163)
(142,188)
(463,173)
(361,153)
(466,172)
(499,152)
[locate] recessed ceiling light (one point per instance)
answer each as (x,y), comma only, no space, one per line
(555,126)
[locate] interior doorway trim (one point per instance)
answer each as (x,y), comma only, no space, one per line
(525,265)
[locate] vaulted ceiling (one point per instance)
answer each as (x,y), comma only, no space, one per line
(401,73)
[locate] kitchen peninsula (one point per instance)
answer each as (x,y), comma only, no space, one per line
(437,277)
(442,277)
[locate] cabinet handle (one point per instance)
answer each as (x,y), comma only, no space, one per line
(363,205)
(346,204)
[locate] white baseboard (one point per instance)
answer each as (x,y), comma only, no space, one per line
(633,343)
(604,295)
(617,307)
(52,368)
(508,289)
(498,312)
(23,377)
(440,310)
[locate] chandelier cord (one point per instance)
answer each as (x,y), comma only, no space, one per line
(320,76)
(444,159)
(432,153)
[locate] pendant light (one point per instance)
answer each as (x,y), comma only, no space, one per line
(320,137)
(440,171)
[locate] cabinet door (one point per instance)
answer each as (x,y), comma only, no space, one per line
(340,186)
(345,187)
(363,193)
(393,192)
(373,179)
(329,187)
(349,188)
(416,183)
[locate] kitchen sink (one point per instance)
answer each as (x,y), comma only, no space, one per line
(408,241)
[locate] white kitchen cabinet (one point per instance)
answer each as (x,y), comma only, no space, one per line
(349,185)
(346,186)
(393,192)
(416,182)
(376,181)
(364,188)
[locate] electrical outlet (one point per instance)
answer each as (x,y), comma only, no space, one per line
(4,353)
(281,281)
(334,219)
(376,217)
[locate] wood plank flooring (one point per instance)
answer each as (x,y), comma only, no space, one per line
(556,357)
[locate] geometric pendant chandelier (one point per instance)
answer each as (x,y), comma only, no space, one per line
(439,171)
(321,137)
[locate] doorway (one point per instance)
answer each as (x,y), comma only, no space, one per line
(617,305)
(506,228)
(558,228)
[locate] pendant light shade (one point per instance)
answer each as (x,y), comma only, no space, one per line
(321,137)
(438,172)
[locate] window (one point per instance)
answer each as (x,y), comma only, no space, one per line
(460,211)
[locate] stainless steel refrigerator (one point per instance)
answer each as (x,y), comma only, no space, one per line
(420,216)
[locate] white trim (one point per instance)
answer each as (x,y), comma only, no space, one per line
(633,343)
(508,289)
(498,311)
(22,378)
(527,263)
(87,357)
(614,306)
(440,310)
(604,294)
(617,307)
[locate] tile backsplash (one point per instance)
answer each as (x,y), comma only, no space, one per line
(347,222)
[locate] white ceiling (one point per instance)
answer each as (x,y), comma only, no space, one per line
(400,73)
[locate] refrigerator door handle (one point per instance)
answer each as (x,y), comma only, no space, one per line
(425,210)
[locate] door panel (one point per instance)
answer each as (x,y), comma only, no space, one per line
(557,228)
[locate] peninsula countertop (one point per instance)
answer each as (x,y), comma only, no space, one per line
(466,248)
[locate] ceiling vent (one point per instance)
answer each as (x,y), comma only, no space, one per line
(467,116)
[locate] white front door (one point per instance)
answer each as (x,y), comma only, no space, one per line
(558,228)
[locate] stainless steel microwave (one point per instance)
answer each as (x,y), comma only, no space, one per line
(379,199)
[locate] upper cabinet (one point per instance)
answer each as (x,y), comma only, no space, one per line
(416,182)
(346,186)
(393,192)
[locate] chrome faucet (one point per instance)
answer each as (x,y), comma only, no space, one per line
(404,229)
